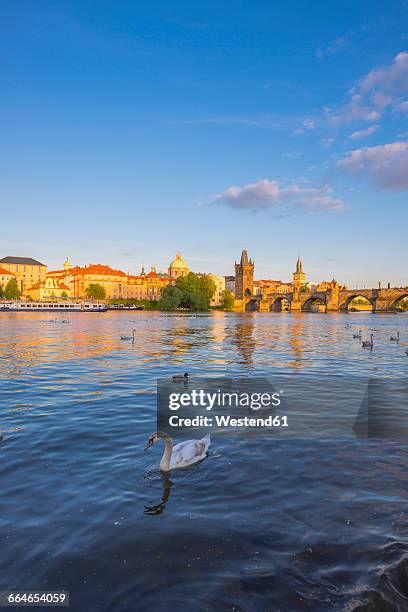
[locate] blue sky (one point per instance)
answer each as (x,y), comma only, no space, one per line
(131,130)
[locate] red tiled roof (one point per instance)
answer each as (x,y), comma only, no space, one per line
(3,272)
(97,269)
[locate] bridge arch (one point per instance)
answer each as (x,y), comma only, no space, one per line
(314,304)
(394,303)
(361,300)
(252,305)
(280,303)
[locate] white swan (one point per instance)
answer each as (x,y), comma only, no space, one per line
(394,338)
(132,337)
(358,336)
(183,454)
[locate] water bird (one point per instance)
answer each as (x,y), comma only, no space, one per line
(132,337)
(395,338)
(406,352)
(368,343)
(358,336)
(180,377)
(183,454)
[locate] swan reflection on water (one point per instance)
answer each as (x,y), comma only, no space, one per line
(166,486)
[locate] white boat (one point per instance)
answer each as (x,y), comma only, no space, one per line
(65,306)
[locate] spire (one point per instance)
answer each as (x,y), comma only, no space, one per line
(299,266)
(143,273)
(244,258)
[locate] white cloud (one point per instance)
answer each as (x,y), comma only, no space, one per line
(265,194)
(335,46)
(307,126)
(391,78)
(327,142)
(292,155)
(381,88)
(403,106)
(364,133)
(386,166)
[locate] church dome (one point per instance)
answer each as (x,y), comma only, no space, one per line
(178,267)
(179,262)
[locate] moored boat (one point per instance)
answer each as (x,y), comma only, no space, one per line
(65,306)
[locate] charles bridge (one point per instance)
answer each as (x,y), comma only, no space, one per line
(326,297)
(332,299)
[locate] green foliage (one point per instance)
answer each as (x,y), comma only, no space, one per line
(362,301)
(11,290)
(170,298)
(227,300)
(304,288)
(1,292)
(64,294)
(198,290)
(95,291)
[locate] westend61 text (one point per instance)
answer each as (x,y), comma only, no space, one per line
(228,421)
(207,400)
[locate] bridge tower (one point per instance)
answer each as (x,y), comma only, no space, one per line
(299,276)
(244,277)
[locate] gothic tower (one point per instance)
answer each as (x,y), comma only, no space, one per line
(299,277)
(244,277)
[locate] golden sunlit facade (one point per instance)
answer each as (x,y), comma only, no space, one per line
(50,288)
(26,271)
(148,286)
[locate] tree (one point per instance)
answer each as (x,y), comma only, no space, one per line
(95,291)
(11,291)
(170,298)
(1,292)
(197,285)
(228,299)
(64,294)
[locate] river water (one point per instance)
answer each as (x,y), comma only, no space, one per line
(260,524)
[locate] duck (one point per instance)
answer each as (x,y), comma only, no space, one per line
(183,454)
(368,343)
(132,337)
(358,336)
(180,378)
(395,338)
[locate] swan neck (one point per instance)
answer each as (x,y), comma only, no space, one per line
(168,449)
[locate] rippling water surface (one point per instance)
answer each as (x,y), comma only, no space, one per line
(261,524)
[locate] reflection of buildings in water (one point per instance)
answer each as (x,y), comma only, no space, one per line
(36,338)
(243,337)
(218,326)
(296,339)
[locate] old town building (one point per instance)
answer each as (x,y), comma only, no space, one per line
(147,286)
(49,288)
(26,271)
(219,282)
